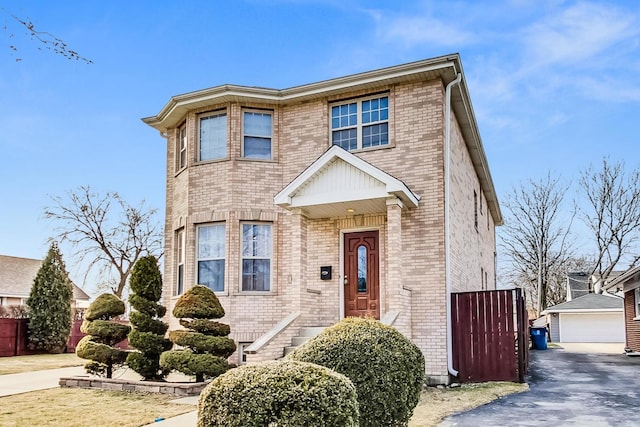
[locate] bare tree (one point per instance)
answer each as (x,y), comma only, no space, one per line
(109,234)
(535,237)
(613,215)
(45,39)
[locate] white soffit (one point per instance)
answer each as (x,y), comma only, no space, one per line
(340,183)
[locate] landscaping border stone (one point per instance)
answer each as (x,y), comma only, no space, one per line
(112,384)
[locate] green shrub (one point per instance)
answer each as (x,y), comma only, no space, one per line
(207,344)
(386,368)
(279,393)
(105,307)
(103,334)
(49,305)
(147,335)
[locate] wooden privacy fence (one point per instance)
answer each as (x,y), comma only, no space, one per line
(14,337)
(490,335)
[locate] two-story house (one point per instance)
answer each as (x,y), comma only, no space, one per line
(364,195)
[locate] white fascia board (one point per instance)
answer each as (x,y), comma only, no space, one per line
(588,310)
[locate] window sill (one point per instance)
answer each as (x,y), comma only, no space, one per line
(206,162)
(636,318)
(256,293)
(249,159)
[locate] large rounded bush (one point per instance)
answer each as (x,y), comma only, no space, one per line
(386,368)
(105,307)
(282,393)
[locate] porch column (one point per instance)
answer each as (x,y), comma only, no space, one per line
(398,299)
(296,238)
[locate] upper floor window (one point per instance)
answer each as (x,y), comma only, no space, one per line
(360,124)
(256,135)
(213,137)
(211,251)
(181,147)
(256,257)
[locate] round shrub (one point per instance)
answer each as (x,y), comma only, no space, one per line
(101,354)
(190,363)
(105,307)
(285,393)
(110,332)
(221,346)
(205,326)
(199,302)
(386,368)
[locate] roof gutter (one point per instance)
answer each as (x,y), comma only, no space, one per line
(447,240)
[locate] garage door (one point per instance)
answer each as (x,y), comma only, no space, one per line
(591,327)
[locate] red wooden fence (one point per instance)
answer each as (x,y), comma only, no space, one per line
(490,341)
(14,338)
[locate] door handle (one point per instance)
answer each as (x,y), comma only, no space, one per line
(346,280)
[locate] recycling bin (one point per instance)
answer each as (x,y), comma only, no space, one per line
(539,338)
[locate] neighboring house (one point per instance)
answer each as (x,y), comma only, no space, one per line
(364,195)
(16,279)
(577,285)
(629,283)
(588,318)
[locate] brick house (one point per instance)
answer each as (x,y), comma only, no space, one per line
(628,283)
(368,194)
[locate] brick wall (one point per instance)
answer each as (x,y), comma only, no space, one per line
(632,327)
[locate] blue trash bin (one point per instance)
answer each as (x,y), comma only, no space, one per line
(539,338)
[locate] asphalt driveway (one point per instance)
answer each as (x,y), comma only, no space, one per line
(567,389)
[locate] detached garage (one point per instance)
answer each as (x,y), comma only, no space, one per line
(589,318)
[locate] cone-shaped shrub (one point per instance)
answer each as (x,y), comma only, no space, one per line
(102,334)
(282,393)
(50,305)
(206,346)
(147,334)
(386,367)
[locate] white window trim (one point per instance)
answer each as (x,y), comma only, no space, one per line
(254,110)
(217,113)
(241,354)
(224,257)
(180,138)
(271,258)
(180,261)
(636,303)
(359,125)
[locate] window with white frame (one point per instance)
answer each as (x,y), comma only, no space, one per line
(181,147)
(636,295)
(213,136)
(211,256)
(180,245)
(256,134)
(257,250)
(360,124)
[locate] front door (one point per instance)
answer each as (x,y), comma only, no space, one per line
(361,275)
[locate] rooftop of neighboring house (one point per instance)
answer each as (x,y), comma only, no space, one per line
(17,274)
(589,302)
(577,285)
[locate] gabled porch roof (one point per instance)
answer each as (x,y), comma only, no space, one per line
(339,183)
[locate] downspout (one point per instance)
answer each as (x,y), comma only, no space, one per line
(447,197)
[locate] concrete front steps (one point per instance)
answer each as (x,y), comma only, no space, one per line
(304,335)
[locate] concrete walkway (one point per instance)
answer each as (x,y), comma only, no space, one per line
(36,380)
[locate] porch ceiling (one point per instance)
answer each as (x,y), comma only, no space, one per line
(341,184)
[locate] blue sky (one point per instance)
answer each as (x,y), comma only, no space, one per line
(554,84)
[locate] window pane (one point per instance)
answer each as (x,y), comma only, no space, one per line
(211,274)
(344,115)
(256,240)
(362,269)
(257,148)
(346,139)
(213,137)
(211,242)
(375,135)
(256,274)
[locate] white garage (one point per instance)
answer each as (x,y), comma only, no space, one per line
(589,318)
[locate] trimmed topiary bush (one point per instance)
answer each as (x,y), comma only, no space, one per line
(206,346)
(147,334)
(386,368)
(284,393)
(102,335)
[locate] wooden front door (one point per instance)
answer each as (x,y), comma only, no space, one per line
(361,275)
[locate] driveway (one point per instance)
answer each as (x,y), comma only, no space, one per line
(567,389)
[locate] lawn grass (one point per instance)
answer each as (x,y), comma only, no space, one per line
(437,403)
(38,362)
(83,407)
